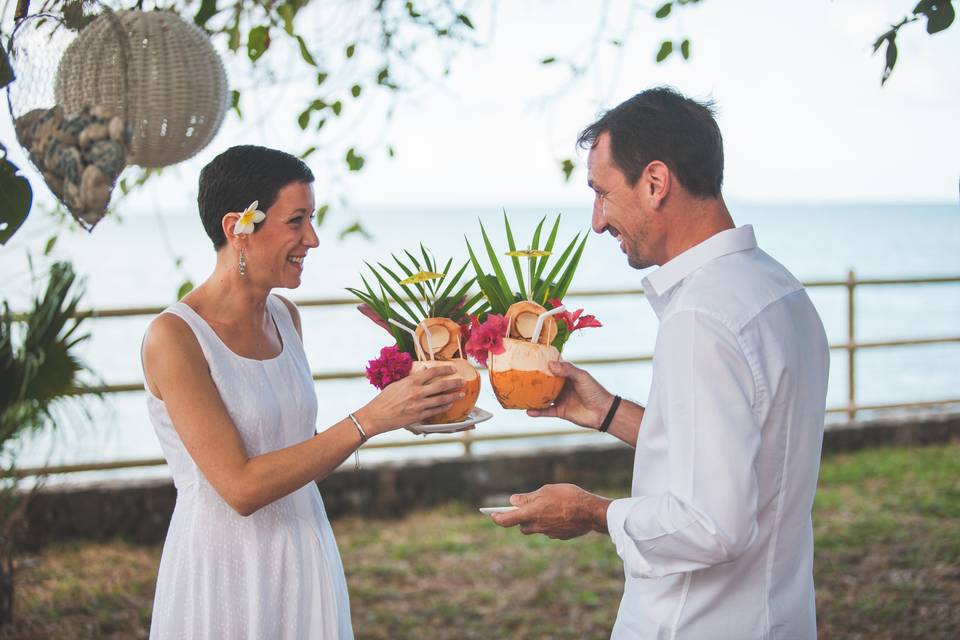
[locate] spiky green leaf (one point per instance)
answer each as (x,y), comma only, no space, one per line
(516,261)
(406,289)
(544,291)
(542,262)
(567,278)
(490,290)
(505,289)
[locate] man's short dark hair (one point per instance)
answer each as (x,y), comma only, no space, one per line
(240,175)
(661,124)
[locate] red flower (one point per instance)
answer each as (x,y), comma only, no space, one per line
(486,338)
(574,321)
(392,365)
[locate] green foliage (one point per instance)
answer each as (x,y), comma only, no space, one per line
(208,9)
(43,369)
(355,161)
(533,285)
(321,214)
(38,374)
(666,48)
(185,287)
(258,42)
(16,197)
(354,229)
(235,103)
(409,303)
(940,14)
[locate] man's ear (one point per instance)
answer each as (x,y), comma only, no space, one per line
(657,182)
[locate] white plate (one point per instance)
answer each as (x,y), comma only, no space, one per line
(489,511)
(475,416)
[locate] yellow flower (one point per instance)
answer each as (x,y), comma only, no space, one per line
(421,276)
(528,253)
(248,218)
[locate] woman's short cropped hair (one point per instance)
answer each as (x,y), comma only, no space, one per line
(241,175)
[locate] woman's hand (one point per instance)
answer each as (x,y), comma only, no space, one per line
(583,401)
(412,399)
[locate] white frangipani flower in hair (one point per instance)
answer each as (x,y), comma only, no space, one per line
(248,218)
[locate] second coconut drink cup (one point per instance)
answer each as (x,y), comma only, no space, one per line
(526,328)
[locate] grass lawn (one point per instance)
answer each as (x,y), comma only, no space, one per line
(887,566)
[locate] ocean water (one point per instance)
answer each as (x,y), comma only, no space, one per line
(130,262)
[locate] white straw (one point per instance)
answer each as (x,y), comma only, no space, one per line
(426,332)
(539,326)
(416,344)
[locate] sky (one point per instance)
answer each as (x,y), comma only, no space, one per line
(797,90)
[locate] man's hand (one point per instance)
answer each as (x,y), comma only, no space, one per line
(583,401)
(561,511)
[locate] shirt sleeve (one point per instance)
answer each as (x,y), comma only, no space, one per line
(708,515)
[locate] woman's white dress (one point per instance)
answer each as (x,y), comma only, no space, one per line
(276,573)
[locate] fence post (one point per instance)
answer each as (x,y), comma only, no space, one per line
(851,347)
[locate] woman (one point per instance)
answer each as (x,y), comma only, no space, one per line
(250,552)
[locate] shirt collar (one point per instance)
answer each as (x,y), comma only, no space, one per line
(658,283)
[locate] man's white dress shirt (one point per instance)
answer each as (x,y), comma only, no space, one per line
(717,538)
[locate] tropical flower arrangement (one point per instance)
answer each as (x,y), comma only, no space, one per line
(515,332)
(428,314)
(526,328)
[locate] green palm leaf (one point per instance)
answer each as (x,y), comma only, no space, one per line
(488,284)
(406,289)
(516,261)
(567,276)
(495,262)
(543,289)
(542,263)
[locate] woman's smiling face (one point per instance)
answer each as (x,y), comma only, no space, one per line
(276,252)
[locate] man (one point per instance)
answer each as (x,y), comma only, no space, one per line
(716,538)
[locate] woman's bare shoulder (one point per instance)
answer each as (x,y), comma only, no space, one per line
(169,334)
(294,313)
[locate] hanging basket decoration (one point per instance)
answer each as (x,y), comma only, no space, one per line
(97,90)
(175,93)
(80,152)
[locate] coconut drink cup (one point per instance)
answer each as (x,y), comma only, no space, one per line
(460,409)
(438,345)
(521,329)
(520,376)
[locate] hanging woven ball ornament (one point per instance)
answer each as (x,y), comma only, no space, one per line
(159,69)
(79,151)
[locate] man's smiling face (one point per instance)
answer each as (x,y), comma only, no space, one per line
(618,207)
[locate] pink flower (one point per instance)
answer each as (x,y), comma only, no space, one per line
(574,321)
(486,338)
(392,365)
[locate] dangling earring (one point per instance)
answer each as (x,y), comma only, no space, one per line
(243,263)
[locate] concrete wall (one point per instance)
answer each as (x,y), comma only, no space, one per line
(140,510)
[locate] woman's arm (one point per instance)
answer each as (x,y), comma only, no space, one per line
(177,372)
